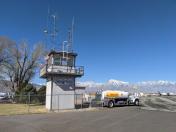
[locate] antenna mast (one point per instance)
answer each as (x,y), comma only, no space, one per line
(54,32)
(51,31)
(70,37)
(72,30)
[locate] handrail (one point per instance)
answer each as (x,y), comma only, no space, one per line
(77,70)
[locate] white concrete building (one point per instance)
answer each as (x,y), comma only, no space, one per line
(60,72)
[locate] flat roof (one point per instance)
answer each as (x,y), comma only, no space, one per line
(61,52)
(80,87)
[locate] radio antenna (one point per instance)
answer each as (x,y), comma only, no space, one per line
(70,36)
(51,31)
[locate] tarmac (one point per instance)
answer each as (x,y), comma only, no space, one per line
(119,119)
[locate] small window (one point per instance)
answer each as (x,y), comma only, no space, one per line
(57,61)
(70,62)
(64,61)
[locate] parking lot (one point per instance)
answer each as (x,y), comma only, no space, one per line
(121,119)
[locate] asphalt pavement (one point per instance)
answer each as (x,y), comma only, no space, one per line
(119,119)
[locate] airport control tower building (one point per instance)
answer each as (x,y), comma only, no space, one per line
(60,72)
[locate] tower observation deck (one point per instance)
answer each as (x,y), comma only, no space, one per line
(61,63)
(60,72)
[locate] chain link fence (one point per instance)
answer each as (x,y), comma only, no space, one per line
(32,103)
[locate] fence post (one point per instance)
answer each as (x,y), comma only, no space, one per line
(58,102)
(82,102)
(90,105)
(76,99)
(102,104)
(29,99)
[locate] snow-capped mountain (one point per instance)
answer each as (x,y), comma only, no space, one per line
(160,82)
(116,82)
(89,84)
(145,86)
(157,86)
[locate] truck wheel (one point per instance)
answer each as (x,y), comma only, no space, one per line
(111,104)
(136,102)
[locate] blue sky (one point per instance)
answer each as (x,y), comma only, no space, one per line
(129,40)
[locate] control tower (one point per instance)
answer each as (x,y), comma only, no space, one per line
(60,72)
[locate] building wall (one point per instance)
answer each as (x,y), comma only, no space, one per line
(48,94)
(80,91)
(62,93)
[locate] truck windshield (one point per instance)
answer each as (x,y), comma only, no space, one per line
(98,97)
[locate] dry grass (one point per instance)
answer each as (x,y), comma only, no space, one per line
(14,109)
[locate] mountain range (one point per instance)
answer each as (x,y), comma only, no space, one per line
(145,86)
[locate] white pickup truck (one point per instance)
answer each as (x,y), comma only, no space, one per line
(113,98)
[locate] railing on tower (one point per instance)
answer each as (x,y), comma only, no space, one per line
(55,69)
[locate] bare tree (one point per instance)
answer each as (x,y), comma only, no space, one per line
(22,65)
(5,45)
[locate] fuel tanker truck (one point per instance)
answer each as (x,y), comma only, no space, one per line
(113,98)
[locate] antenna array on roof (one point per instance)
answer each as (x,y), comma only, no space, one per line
(70,36)
(51,33)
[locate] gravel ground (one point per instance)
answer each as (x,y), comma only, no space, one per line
(160,103)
